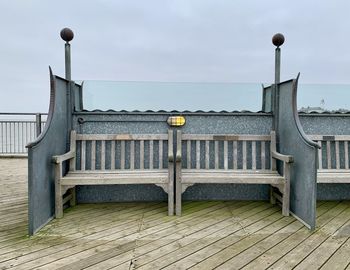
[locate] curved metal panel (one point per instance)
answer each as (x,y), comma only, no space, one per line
(52,141)
(292,140)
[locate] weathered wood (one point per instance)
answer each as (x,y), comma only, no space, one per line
(337,155)
(160,149)
(329,160)
(225,155)
(151,154)
(178,168)
(112,155)
(225,137)
(142,154)
(188,154)
(93,155)
(132,155)
(273,149)
(320,155)
(207,154)
(335,137)
(216,150)
(103,155)
(83,155)
(198,155)
(122,155)
(254,155)
(120,137)
(73,147)
(263,156)
(235,155)
(58,193)
(346,154)
(244,152)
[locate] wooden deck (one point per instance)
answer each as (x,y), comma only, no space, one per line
(209,235)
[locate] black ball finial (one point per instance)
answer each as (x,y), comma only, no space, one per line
(67,34)
(278,39)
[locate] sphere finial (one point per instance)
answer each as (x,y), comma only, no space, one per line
(67,34)
(278,39)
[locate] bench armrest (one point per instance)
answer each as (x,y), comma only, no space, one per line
(279,156)
(64,157)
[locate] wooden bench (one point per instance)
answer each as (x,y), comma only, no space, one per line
(224,159)
(333,158)
(110,159)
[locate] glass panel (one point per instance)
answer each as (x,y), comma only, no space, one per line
(320,97)
(155,96)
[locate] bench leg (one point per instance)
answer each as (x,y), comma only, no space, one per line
(171,190)
(286,191)
(272,197)
(178,194)
(73,201)
(58,192)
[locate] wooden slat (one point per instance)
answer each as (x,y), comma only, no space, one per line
(225,137)
(263,156)
(121,137)
(329,160)
(132,155)
(161,154)
(225,155)
(216,150)
(336,137)
(122,155)
(142,154)
(346,153)
(235,155)
(320,155)
(254,155)
(73,148)
(113,155)
(103,155)
(198,155)
(244,150)
(93,155)
(151,154)
(83,155)
(337,155)
(188,154)
(207,154)
(273,149)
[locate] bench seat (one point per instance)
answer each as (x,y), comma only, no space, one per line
(333,176)
(115,177)
(231,177)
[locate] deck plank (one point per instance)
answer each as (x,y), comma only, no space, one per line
(226,235)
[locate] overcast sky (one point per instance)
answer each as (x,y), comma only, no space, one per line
(171,41)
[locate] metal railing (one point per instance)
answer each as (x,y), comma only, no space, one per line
(18,129)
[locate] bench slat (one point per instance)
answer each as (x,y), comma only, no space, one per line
(216,150)
(93,155)
(263,155)
(142,154)
(122,155)
(337,157)
(225,155)
(346,153)
(254,155)
(235,155)
(161,154)
(112,155)
(151,154)
(244,150)
(320,156)
(132,155)
(225,137)
(198,155)
(103,155)
(83,154)
(188,154)
(207,154)
(120,137)
(329,161)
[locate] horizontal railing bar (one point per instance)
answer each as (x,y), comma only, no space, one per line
(17,113)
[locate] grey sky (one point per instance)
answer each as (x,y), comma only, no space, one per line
(182,40)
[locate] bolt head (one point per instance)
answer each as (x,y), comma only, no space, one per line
(278,39)
(67,34)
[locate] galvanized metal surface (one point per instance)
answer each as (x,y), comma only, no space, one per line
(293,141)
(51,142)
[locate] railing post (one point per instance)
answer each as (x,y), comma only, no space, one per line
(38,124)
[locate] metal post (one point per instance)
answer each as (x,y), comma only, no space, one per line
(67,35)
(277,40)
(67,61)
(38,124)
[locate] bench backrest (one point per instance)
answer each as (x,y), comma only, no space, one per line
(227,152)
(334,152)
(122,151)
